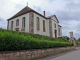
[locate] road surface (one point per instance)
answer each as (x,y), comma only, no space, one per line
(71,55)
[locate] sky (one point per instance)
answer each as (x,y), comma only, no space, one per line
(67,12)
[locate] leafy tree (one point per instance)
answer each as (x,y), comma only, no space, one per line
(74,38)
(67,38)
(78,39)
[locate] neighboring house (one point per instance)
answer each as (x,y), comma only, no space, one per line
(28,20)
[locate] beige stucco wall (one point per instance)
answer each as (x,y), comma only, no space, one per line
(60,31)
(20,22)
(54,20)
(41,32)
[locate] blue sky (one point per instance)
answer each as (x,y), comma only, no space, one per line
(67,12)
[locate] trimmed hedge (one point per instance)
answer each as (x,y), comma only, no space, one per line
(10,41)
(77,42)
(41,37)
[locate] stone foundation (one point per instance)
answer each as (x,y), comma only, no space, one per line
(28,54)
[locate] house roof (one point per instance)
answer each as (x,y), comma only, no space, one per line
(53,16)
(59,25)
(24,11)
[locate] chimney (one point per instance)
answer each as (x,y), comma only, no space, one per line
(44,13)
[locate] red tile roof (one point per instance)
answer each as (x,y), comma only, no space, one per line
(54,16)
(24,11)
(27,10)
(59,25)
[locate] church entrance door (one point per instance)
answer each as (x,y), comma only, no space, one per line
(55,33)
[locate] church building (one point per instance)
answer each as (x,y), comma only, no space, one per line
(28,20)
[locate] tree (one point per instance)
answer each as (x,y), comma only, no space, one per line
(78,39)
(74,38)
(67,38)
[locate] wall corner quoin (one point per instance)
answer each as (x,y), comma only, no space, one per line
(31,22)
(50,27)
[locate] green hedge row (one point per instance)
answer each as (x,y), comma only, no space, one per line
(77,42)
(10,41)
(37,36)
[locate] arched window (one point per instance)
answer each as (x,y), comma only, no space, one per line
(54,25)
(38,24)
(12,25)
(17,22)
(23,22)
(59,31)
(43,25)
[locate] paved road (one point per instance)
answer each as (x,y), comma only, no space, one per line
(72,55)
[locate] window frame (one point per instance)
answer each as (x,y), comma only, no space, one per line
(44,26)
(17,22)
(54,25)
(23,22)
(38,23)
(11,25)
(59,31)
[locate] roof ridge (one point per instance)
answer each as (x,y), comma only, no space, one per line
(25,10)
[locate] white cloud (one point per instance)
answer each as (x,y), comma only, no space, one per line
(71,25)
(10,7)
(16,1)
